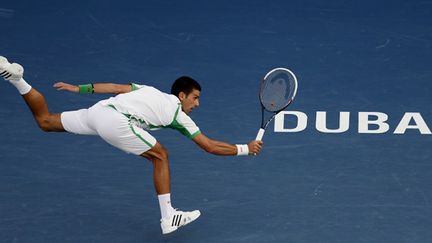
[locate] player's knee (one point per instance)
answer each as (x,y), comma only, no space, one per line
(46,123)
(156,154)
(159,152)
(162,153)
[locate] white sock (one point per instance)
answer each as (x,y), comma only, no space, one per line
(22,86)
(165,205)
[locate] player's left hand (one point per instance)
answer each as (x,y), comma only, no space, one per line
(66,86)
(255,147)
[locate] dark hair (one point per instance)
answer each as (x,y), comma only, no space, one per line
(184,84)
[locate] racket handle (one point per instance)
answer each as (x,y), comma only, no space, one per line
(260,134)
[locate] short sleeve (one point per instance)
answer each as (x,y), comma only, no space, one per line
(136,86)
(185,125)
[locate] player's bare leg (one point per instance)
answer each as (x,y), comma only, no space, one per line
(13,73)
(161,174)
(48,122)
(172,219)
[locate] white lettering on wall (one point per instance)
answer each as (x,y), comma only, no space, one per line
(364,120)
(321,122)
(420,124)
(368,122)
(280,121)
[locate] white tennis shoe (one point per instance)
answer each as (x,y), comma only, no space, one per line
(11,72)
(178,219)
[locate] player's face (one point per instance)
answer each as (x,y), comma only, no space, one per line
(190,101)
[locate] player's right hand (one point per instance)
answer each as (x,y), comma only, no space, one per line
(255,147)
(66,86)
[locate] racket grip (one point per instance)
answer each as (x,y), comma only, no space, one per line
(260,134)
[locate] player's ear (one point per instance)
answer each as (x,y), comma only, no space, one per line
(182,95)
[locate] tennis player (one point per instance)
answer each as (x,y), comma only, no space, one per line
(124,121)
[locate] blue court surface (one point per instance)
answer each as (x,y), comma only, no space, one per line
(306,186)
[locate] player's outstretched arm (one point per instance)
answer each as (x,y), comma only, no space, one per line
(221,148)
(102,88)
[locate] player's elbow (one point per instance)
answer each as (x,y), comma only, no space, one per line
(210,149)
(206,144)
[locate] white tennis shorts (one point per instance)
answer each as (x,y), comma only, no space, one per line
(112,126)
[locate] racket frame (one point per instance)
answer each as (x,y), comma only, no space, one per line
(261,131)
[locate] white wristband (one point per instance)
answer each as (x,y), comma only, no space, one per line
(242,149)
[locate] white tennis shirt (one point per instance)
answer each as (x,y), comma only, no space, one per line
(152,109)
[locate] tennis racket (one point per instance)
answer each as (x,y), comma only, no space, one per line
(277,92)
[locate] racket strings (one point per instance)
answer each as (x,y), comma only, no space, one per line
(277,90)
